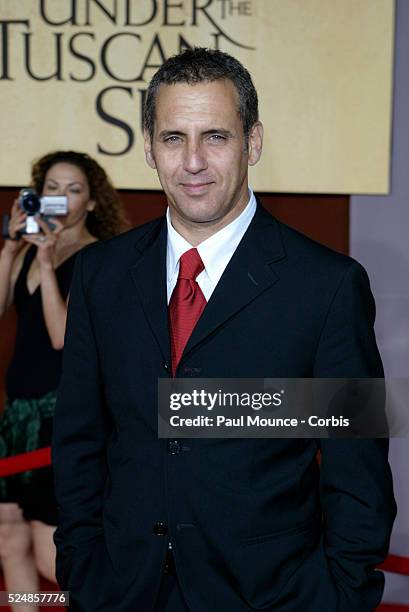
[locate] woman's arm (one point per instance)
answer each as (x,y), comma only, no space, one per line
(9,260)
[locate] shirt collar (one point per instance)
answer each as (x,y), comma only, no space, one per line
(215,251)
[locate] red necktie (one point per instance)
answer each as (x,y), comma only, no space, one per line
(186,304)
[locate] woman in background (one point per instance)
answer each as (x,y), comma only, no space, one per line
(35,274)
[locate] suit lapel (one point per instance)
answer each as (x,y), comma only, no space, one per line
(149,276)
(247,275)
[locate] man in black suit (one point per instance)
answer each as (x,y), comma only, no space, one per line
(218,288)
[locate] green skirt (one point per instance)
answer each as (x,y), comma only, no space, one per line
(26,425)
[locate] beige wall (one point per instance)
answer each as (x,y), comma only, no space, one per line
(323,70)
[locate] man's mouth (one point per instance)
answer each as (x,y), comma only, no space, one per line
(196,188)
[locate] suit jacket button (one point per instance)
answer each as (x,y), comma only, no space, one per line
(160,529)
(174,447)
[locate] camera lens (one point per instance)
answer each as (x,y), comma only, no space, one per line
(29,201)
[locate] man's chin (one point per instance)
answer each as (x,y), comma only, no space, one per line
(198,214)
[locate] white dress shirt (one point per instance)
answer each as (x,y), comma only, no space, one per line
(215,251)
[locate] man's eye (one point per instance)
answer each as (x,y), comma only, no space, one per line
(172,139)
(217,138)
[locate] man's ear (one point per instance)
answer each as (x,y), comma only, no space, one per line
(255,143)
(91,205)
(150,160)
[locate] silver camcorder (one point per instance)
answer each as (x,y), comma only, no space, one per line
(46,206)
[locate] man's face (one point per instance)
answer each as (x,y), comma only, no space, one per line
(200,153)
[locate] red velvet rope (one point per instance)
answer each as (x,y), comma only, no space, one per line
(396,564)
(25,461)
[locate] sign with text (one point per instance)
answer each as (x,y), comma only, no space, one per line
(74,73)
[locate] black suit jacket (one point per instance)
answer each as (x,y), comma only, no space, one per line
(255,524)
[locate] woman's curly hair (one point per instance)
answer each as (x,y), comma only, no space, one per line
(108,217)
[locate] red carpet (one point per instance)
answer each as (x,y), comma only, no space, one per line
(393,608)
(44,586)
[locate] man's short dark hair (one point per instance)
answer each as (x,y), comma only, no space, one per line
(199,65)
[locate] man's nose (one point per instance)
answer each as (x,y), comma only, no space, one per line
(194,159)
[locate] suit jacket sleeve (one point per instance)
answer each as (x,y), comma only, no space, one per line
(356,482)
(81,428)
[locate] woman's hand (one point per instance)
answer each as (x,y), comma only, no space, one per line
(45,241)
(17,223)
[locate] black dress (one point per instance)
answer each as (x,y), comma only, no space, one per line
(31,383)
